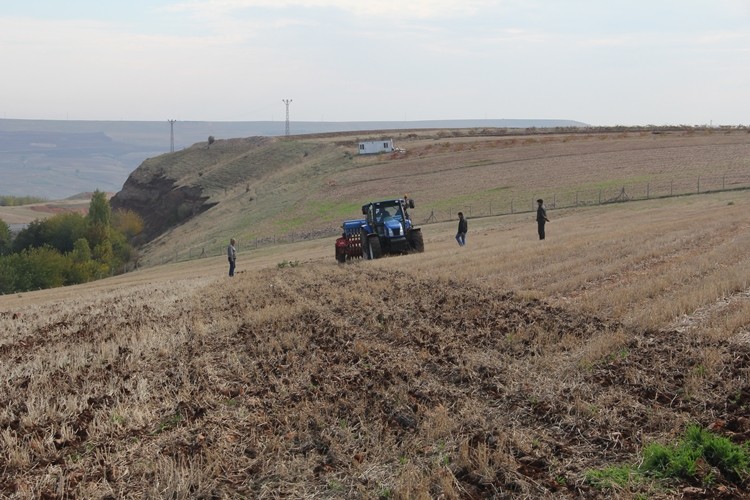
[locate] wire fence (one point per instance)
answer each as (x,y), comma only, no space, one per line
(507,206)
(592,197)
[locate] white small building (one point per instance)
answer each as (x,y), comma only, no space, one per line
(374,147)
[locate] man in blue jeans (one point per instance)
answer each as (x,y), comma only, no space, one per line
(232,256)
(463,228)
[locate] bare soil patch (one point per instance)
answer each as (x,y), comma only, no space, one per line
(348,381)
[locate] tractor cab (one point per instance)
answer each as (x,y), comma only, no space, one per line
(388,218)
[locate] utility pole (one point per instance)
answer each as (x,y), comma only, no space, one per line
(286,101)
(171,135)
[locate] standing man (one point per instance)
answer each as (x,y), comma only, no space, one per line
(232,255)
(463,228)
(541,217)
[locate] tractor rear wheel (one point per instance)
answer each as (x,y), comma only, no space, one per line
(416,241)
(373,245)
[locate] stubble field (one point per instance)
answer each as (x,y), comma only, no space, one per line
(506,368)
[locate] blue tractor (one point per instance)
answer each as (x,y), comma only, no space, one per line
(386,229)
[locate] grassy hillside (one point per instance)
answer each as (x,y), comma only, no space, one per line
(271,189)
(509,368)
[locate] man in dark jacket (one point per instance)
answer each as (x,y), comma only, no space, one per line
(541,217)
(463,228)
(232,256)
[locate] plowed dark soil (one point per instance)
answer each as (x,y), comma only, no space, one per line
(346,382)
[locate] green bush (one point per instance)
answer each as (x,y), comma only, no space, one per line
(33,269)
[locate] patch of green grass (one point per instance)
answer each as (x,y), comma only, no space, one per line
(290,224)
(385,493)
(695,457)
(117,419)
(338,210)
(612,477)
(335,485)
(686,458)
(168,423)
(288,263)
(477,199)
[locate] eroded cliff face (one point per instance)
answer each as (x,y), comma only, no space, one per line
(160,203)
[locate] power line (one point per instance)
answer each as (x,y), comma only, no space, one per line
(286,101)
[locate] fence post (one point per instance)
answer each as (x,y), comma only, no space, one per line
(723,181)
(490,208)
(648,190)
(554,200)
(511,205)
(671,186)
(600,197)
(699,184)
(576,198)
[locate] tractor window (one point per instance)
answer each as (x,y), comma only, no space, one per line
(397,213)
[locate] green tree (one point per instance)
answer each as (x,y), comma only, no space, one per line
(30,237)
(105,256)
(7,274)
(81,252)
(33,269)
(82,268)
(99,209)
(48,267)
(68,248)
(63,230)
(59,232)
(5,239)
(99,232)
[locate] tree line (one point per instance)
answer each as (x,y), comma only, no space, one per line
(68,248)
(14,201)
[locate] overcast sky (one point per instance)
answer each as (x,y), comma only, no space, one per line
(602,62)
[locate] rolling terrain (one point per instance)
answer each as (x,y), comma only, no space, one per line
(509,368)
(56,159)
(262,190)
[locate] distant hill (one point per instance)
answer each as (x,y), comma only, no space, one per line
(55,159)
